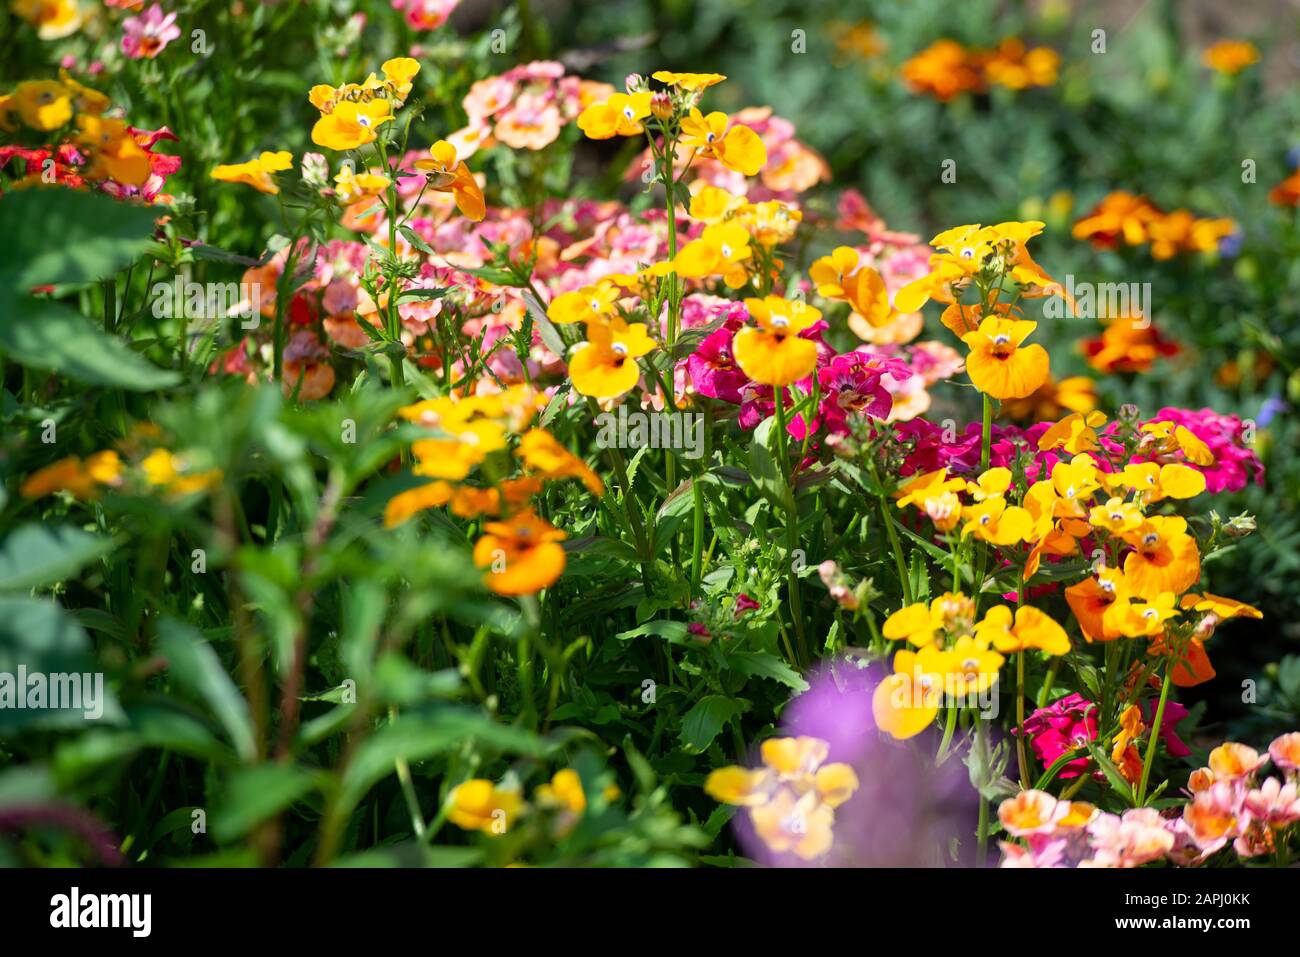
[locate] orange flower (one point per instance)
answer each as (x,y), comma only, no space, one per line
(1230,56)
(402,506)
(999,365)
(1164,557)
(1119,216)
(82,478)
(1090,598)
(773,353)
(447,174)
(522,554)
(547,458)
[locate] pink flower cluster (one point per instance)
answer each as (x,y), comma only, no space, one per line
(1225,805)
(524,108)
(1070,724)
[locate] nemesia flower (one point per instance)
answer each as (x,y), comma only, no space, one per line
(774,353)
(426,14)
(605,366)
(1231,761)
(53,19)
(1031,812)
(1285,751)
(522,554)
(734,145)
(479,805)
(351,124)
(618,115)
(999,365)
(448,174)
(146,36)
(256,172)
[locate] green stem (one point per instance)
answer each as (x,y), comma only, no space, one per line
(1021,757)
(1155,737)
(791,525)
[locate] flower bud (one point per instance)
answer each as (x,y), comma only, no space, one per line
(661,105)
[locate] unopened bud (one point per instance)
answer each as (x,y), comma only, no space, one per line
(1239,526)
(661,105)
(635,83)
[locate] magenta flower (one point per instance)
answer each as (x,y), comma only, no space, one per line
(1068,724)
(712,367)
(147,35)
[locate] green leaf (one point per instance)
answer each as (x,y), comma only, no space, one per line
(764,469)
(1117,780)
(35,555)
(703,722)
(44,334)
(416,736)
(43,639)
(672,631)
(254,794)
(196,667)
(60,236)
(764,665)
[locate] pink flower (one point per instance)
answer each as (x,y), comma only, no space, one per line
(426,14)
(1274,803)
(1069,724)
(744,603)
(1136,838)
(147,35)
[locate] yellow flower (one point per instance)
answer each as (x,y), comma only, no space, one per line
(1031,629)
(969,666)
(84,99)
(605,367)
(802,825)
(773,353)
(53,19)
(739,786)
(257,172)
(738,147)
(114,152)
(43,104)
(711,204)
(351,124)
(398,74)
(620,115)
(999,365)
(1155,481)
(691,82)
(479,805)
(448,174)
(350,187)
(1116,516)
(831,273)
(522,554)
(996,522)
(722,249)
(588,304)
(906,702)
(1031,812)
(1140,619)
(1075,433)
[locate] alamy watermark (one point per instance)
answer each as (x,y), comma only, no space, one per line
(1102,300)
(208,300)
(658,430)
(57,691)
